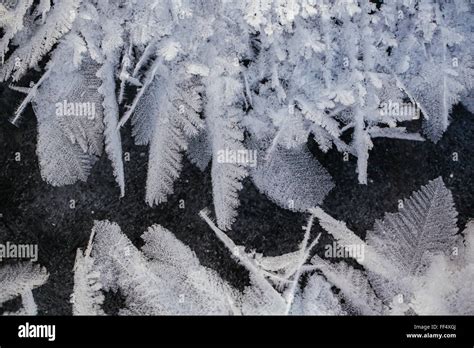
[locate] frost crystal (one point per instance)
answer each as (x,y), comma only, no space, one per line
(413,258)
(19,280)
(413,262)
(220,73)
(166,278)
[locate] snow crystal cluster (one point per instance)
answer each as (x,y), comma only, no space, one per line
(241,87)
(246,78)
(414,263)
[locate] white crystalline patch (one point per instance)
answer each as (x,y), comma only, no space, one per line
(170,50)
(197,69)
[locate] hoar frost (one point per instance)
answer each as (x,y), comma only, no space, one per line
(406,266)
(213,76)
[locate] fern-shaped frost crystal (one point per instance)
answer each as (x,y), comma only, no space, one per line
(406,255)
(166,279)
(293,179)
(19,280)
(226,74)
